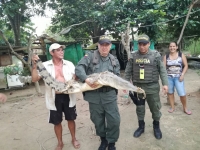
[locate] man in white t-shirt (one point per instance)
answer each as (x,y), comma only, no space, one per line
(58,103)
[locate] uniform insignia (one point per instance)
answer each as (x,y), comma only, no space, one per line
(143,61)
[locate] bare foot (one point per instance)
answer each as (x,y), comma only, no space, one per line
(76,144)
(59,147)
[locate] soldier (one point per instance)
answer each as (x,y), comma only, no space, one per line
(103,101)
(143,69)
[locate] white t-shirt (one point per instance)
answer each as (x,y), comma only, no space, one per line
(68,72)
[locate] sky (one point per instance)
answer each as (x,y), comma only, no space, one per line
(42,23)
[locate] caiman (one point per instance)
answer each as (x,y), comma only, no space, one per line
(74,86)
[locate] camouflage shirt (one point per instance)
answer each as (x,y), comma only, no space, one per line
(153,87)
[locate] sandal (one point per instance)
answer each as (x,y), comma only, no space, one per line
(188,112)
(171,110)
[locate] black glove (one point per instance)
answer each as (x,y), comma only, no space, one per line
(136,100)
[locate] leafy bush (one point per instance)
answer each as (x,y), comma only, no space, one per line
(194,48)
(15,69)
(25,72)
(12,70)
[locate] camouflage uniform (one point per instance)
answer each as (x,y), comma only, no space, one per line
(102,102)
(151,87)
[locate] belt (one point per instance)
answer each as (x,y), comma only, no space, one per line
(104,89)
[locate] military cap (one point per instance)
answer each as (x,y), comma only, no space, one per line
(143,38)
(104,39)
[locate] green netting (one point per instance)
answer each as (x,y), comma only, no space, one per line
(112,47)
(73,53)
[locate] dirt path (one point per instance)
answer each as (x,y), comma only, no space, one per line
(24,126)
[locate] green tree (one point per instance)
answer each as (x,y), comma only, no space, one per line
(107,15)
(73,12)
(16,15)
(177,11)
(8,33)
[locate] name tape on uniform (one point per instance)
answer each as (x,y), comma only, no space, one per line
(143,61)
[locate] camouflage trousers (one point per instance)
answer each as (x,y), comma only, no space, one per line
(106,119)
(154,103)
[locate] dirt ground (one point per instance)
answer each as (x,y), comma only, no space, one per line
(24,124)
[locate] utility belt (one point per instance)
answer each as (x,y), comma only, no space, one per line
(104,89)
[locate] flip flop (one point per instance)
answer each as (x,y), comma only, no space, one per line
(188,112)
(76,144)
(171,110)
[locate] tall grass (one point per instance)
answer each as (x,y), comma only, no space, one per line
(194,48)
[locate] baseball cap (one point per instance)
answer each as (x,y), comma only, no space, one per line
(55,46)
(143,38)
(104,39)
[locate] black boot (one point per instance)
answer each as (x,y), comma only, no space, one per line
(104,144)
(111,146)
(140,130)
(157,131)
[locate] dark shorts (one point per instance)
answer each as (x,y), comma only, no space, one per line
(62,106)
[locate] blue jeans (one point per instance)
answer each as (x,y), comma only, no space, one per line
(173,82)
